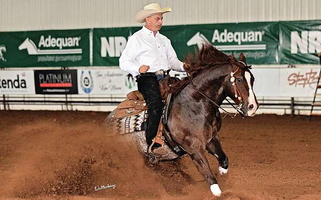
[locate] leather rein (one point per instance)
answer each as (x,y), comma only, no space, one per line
(236,92)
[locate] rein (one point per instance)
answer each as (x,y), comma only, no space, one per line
(232,80)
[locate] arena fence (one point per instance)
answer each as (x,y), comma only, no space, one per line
(289,106)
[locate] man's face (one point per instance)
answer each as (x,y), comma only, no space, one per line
(154,22)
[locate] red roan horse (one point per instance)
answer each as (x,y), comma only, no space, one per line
(194,119)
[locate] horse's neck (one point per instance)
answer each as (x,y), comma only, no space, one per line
(211,83)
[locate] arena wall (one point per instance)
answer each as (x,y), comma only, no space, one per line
(22,15)
(33,15)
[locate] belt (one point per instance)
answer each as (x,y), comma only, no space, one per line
(160,74)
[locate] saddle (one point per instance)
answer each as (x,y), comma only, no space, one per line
(132,105)
(135,103)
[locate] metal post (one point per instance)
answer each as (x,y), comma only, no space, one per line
(316,88)
(66,98)
(292,106)
(4,102)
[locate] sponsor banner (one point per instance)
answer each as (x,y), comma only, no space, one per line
(56,81)
(44,48)
(108,43)
(285,42)
(17,82)
(108,81)
(300,41)
(286,82)
(269,82)
(258,41)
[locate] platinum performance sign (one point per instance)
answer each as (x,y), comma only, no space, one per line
(56,81)
(44,48)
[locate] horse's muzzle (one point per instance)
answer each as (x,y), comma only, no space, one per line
(251,109)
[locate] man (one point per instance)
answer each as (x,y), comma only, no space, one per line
(147,55)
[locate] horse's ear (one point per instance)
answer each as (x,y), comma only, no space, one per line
(233,58)
(242,58)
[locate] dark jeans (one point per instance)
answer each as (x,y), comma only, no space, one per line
(149,87)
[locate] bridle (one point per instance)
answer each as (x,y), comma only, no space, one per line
(236,92)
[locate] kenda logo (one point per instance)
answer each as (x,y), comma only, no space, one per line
(113,46)
(16,83)
(53,43)
(306,42)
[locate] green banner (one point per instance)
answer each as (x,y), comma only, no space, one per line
(44,48)
(286,42)
(300,41)
(258,41)
(108,43)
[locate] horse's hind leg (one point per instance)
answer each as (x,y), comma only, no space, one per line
(203,167)
(214,147)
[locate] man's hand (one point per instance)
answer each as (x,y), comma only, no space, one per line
(143,69)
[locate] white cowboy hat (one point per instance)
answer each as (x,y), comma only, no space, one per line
(150,10)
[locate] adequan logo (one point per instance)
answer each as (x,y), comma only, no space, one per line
(224,38)
(2,51)
(53,43)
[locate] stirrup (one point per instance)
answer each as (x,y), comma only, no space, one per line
(159,138)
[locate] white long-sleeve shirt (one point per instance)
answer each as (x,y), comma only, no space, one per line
(143,48)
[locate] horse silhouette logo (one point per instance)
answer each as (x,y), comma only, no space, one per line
(2,50)
(33,50)
(199,39)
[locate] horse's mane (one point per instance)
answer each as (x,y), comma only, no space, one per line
(208,56)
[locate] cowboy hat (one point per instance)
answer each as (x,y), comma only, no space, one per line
(150,10)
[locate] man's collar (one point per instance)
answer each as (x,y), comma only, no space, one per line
(149,32)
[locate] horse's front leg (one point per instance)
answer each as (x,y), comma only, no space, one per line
(201,162)
(214,147)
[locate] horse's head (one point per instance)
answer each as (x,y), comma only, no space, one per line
(24,44)
(240,86)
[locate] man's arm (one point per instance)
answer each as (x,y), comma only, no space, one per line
(174,62)
(127,60)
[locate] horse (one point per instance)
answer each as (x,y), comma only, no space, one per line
(194,119)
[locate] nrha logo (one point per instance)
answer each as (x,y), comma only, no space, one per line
(308,42)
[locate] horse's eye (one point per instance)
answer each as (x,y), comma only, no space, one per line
(239,80)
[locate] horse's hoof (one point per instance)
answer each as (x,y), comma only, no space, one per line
(215,189)
(222,170)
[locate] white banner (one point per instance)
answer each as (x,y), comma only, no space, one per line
(285,82)
(269,82)
(281,82)
(17,82)
(105,81)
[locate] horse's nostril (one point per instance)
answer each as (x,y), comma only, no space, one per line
(251,106)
